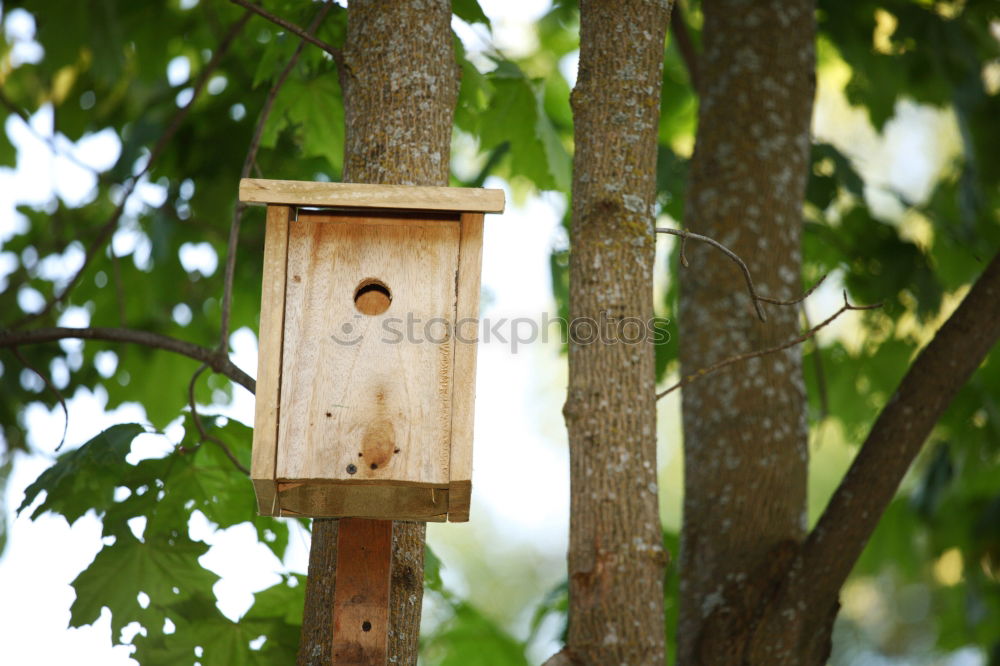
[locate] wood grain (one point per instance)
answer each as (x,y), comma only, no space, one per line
(362,397)
(470,255)
(361,599)
(272,315)
(368,500)
(356,195)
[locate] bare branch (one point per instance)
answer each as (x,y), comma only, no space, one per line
(103,234)
(795,301)
(678,28)
(109,227)
(59,396)
(896,437)
(250,161)
(764,352)
(216,359)
(337,54)
(684,234)
(755,298)
(205,437)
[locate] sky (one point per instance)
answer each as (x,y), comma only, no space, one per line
(520,506)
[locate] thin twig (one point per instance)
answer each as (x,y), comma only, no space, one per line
(249,162)
(770,350)
(684,234)
(109,227)
(205,437)
(337,54)
(217,360)
(59,396)
(685,46)
(795,301)
(755,298)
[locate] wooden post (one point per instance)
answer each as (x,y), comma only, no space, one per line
(361,596)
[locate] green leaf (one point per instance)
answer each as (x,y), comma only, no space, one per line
(85,478)
(470,638)
(8,154)
(469,11)
(515,114)
(556,602)
(893,542)
(219,641)
(936,481)
(313,108)
(432,570)
(163,566)
(284,601)
(6,465)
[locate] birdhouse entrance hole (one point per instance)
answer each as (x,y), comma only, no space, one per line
(372,297)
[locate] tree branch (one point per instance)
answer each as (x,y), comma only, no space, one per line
(248,162)
(216,359)
(755,298)
(940,370)
(109,227)
(679,29)
(201,428)
(764,352)
(337,54)
(59,396)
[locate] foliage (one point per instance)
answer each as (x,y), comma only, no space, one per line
(106,71)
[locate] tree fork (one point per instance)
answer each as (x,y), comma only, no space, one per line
(797,625)
(400,86)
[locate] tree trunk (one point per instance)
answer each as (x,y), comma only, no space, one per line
(745,429)
(616,556)
(400,88)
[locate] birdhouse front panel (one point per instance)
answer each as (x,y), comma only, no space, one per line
(366,371)
(368,356)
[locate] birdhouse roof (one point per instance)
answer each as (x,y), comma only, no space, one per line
(356,195)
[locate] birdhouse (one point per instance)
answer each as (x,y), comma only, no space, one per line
(367,361)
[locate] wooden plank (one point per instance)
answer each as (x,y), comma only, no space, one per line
(470,256)
(368,397)
(272,315)
(356,195)
(361,596)
(337,500)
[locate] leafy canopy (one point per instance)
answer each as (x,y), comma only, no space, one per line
(107,71)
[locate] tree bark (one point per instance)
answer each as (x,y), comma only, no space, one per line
(400,85)
(616,556)
(745,429)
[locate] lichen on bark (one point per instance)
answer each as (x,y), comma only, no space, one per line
(616,556)
(745,429)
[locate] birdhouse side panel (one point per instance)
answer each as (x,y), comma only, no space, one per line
(466,339)
(272,315)
(367,361)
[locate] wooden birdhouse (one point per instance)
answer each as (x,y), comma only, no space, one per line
(367,362)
